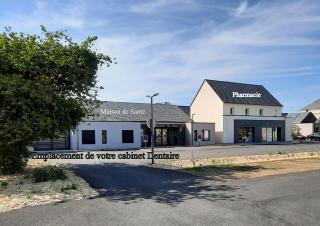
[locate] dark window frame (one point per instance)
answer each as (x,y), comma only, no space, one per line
(261,112)
(203,136)
(87,138)
(232,111)
(104,137)
(247,111)
(195,135)
(127,139)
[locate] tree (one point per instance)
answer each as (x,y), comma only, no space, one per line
(48,84)
(295,132)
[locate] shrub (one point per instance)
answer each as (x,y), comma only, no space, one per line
(44,174)
(13,159)
(69,187)
(4,184)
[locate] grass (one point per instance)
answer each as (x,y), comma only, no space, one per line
(231,167)
(222,170)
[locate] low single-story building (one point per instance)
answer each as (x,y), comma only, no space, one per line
(123,125)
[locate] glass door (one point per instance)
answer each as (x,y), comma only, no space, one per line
(161,136)
(158,136)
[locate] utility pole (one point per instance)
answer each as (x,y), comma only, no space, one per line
(151,126)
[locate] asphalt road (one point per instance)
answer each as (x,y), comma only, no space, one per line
(136,195)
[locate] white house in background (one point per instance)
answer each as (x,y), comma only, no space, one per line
(313,108)
(241,112)
(305,121)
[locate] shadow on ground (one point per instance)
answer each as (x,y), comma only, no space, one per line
(132,183)
(223,172)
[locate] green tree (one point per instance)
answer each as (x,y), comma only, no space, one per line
(48,83)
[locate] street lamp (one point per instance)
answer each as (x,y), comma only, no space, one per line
(151,125)
(192,138)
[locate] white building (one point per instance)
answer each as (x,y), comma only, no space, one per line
(123,125)
(241,112)
(305,122)
(308,118)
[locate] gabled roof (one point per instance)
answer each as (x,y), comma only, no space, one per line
(225,92)
(313,106)
(302,117)
(138,112)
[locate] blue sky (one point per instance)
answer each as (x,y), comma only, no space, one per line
(170,46)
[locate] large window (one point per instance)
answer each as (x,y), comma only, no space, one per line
(127,136)
(88,136)
(104,136)
(205,135)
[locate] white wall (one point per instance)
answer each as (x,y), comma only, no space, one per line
(289,125)
(199,127)
(114,135)
(208,107)
(254,110)
(305,128)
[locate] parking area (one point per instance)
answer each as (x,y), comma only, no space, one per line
(202,152)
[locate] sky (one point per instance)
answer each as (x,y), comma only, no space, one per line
(171,46)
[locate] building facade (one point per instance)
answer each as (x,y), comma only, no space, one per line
(221,112)
(242,113)
(123,125)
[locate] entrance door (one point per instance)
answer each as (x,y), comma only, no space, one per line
(246,134)
(270,134)
(161,136)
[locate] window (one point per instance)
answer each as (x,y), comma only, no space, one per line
(88,136)
(195,135)
(104,136)
(261,112)
(247,111)
(127,136)
(275,112)
(205,135)
(231,111)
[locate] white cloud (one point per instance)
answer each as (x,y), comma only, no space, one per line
(72,14)
(241,8)
(267,36)
(150,7)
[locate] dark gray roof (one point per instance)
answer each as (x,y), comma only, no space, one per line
(138,112)
(185,109)
(225,89)
(313,106)
(302,117)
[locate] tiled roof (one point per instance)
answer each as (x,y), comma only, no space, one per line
(313,106)
(225,91)
(138,112)
(302,117)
